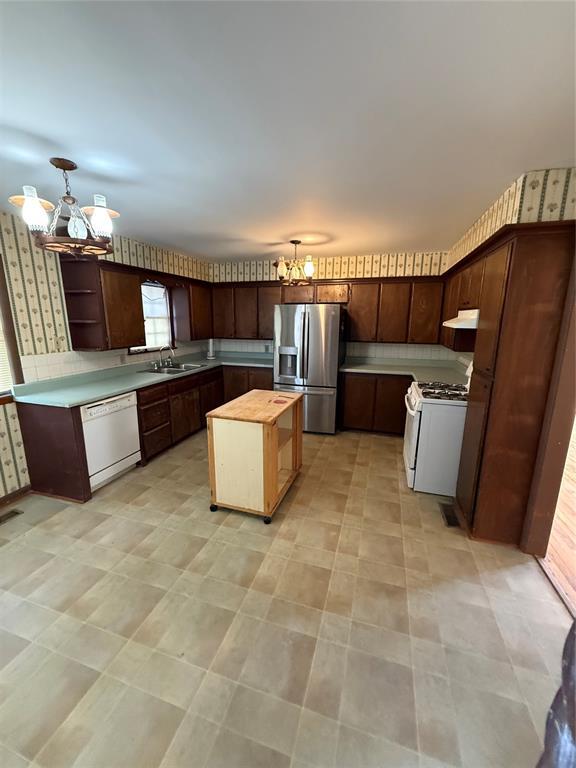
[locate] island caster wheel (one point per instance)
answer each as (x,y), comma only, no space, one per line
(213,507)
(267,520)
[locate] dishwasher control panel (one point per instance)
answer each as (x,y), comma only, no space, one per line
(106,407)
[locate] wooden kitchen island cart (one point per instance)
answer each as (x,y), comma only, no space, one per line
(254,451)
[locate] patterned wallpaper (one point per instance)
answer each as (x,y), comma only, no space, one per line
(547,195)
(13,469)
(336,267)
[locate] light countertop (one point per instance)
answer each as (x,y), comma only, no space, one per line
(79,389)
(448,371)
(70,391)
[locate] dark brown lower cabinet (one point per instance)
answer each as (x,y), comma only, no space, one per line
(374,403)
(55,452)
(260,378)
(211,392)
(184,408)
(235,381)
(154,420)
(357,393)
(389,406)
(239,379)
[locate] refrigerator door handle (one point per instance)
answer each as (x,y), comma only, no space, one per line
(305,345)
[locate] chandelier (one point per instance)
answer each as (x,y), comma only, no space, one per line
(78,231)
(295,271)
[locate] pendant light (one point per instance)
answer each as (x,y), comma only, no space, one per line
(82,232)
(295,271)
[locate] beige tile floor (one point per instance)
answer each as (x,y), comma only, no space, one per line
(356,631)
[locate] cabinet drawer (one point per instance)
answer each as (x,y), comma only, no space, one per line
(156,440)
(151,416)
(182,385)
(152,394)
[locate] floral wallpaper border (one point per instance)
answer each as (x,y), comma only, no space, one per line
(37,296)
(546,195)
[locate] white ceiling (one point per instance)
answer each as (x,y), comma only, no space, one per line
(218,128)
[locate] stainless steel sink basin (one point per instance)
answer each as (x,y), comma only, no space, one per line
(174,369)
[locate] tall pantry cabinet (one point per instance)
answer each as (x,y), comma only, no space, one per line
(526,274)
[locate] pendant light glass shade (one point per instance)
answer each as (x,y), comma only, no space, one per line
(282,269)
(309,266)
(33,213)
(100,219)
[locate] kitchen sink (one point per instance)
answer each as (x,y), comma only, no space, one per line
(174,369)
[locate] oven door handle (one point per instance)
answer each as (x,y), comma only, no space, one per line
(407,403)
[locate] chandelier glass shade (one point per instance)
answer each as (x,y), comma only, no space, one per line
(71,229)
(295,271)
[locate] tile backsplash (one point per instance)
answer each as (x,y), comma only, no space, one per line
(399,351)
(39,367)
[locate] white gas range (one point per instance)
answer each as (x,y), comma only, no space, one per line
(435,415)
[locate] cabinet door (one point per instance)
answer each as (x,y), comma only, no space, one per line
(260,378)
(425,312)
(393,312)
(192,410)
(223,312)
(178,417)
(245,312)
(471,285)
(235,381)
(450,309)
(211,396)
(268,297)
(201,312)
(472,444)
(297,294)
(389,407)
(338,293)
(358,395)
(122,296)
(363,311)
(491,304)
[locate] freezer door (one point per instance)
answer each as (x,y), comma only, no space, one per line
(318,407)
(320,359)
(289,342)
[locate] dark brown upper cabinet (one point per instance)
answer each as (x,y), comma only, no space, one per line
(200,312)
(297,294)
(268,297)
(425,313)
(491,305)
(337,293)
(223,311)
(104,305)
(450,308)
(471,285)
(245,312)
(363,311)
(394,312)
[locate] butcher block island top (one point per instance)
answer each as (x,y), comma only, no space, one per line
(254,451)
(259,405)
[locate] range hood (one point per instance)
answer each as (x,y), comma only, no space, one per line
(466,318)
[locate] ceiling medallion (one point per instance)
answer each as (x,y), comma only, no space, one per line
(83,231)
(295,271)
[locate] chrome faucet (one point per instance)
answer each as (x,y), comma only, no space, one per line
(165,363)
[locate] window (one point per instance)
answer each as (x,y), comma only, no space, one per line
(157,325)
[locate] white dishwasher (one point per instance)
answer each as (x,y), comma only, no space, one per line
(111,437)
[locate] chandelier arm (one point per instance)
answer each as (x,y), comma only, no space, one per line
(55,218)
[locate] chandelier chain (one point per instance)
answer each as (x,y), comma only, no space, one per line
(67,183)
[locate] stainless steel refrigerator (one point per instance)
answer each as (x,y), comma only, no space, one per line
(308,351)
